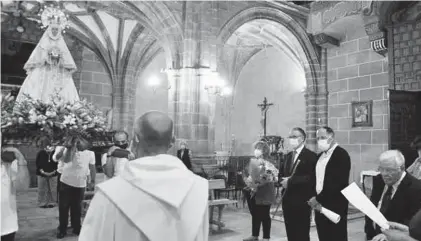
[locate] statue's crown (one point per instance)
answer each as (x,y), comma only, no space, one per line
(53,16)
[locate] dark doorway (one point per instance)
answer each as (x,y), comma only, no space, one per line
(14,55)
(405,121)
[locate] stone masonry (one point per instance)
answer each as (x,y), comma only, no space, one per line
(406,56)
(356,73)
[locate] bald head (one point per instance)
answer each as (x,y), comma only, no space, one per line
(154,132)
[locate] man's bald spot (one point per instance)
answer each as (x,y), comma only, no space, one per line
(154,128)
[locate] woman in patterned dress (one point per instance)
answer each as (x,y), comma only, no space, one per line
(260,182)
(415,168)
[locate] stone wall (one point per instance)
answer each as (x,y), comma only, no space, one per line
(95,82)
(356,73)
(405,56)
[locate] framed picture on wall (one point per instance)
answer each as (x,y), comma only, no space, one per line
(362,113)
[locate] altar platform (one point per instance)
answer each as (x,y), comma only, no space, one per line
(37,224)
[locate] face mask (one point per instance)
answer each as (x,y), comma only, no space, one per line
(257,153)
(323,145)
(183,147)
(122,146)
(294,142)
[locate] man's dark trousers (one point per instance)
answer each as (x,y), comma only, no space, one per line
(70,199)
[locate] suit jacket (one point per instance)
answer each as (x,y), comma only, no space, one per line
(404,205)
(336,179)
(301,185)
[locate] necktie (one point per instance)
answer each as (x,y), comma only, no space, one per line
(294,153)
(387,197)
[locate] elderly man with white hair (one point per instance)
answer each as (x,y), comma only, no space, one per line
(396,193)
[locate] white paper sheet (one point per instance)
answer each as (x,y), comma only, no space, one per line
(359,200)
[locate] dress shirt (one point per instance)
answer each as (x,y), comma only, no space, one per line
(74,172)
(321,168)
(394,189)
(297,153)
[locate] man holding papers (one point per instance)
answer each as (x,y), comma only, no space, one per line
(395,193)
(297,177)
(332,175)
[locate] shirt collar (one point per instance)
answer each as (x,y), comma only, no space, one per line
(299,150)
(396,185)
(328,152)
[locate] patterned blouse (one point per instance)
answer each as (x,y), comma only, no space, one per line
(415,168)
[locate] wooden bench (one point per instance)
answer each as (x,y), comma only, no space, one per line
(217,184)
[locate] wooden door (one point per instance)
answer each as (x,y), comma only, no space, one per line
(405,121)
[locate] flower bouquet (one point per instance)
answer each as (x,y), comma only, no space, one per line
(63,123)
(261,172)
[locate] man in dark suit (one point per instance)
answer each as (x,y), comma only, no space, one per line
(332,175)
(395,193)
(296,175)
(185,155)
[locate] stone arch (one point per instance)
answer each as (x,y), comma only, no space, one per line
(316,93)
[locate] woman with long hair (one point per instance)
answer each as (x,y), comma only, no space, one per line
(261,184)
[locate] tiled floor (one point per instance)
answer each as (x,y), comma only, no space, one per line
(36,224)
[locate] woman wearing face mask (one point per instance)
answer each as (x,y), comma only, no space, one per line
(185,155)
(263,175)
(415,168)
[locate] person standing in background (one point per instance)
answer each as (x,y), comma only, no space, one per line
(114,161)
(46,176)
(72,187)
(261,184)
(185,155)
(298,180)
(332,176)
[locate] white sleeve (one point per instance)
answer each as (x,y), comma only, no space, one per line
(92,158)
(101,216)
(57,150)
(104,159)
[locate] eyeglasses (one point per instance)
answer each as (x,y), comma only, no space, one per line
(293,137)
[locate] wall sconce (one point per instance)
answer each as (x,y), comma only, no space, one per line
(154,83)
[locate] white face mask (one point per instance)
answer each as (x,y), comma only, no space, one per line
(294,142)
(257,153)
(323,145)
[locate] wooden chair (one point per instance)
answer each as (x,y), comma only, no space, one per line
(217,184)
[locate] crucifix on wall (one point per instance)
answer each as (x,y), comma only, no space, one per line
(264,107)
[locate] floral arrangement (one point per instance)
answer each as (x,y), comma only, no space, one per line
(261,172)
(63,123)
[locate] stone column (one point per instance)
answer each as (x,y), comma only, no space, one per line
(190,106)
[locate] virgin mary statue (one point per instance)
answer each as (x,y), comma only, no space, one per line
(49,69)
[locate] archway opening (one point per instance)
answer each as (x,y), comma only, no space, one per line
(268,60)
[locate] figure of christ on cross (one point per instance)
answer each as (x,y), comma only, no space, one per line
(264,108)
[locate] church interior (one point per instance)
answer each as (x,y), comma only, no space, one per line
(230,73)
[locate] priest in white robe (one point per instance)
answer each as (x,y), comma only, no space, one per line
(156,198)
